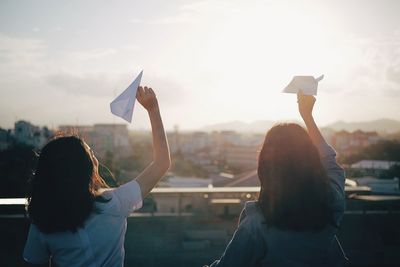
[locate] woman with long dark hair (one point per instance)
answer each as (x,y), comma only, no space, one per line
(73,221)
(300,205)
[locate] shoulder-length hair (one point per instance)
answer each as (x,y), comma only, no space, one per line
(295,193)
(64,185)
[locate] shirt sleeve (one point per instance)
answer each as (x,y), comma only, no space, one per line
(336,176)
(35,250)
(128,197)
(244,249)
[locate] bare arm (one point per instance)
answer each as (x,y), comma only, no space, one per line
(306,105)
(161,158)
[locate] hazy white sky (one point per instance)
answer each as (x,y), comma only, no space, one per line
(209,61)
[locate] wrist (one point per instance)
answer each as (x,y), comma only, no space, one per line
(307,118)
(153,109)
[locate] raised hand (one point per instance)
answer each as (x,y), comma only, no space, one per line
(306,105)
(147,98)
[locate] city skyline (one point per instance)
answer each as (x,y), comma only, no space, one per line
(385,126)
(209,61)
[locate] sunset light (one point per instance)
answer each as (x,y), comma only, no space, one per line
(230,56)
(214,133)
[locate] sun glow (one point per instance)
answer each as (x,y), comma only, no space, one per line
(253,52)
(209,61)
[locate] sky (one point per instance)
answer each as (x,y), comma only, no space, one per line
(209,61)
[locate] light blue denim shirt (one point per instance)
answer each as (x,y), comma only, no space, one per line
(254,244)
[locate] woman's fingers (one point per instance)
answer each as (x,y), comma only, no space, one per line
(149,91)
(143,91)
(305,104)
(152,92)
(145,94)
(305,98)
(300,96)
(139,92)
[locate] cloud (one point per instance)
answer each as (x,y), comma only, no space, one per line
(20,51)
(187,13)
(136,21)
(27,58)
(393,74)
(168,91)
(178,18)
(376,66)
(209,6)
(103,85)
(22,60)
(93,84)
(197,11)
(93,54)
(59,88)
(194,6)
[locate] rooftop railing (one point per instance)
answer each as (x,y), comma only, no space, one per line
(191,227)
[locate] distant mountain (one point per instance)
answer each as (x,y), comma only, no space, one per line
(239,126)
(382,125)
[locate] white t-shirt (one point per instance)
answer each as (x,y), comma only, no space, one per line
(100,242)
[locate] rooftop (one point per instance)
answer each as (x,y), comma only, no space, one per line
(193,237)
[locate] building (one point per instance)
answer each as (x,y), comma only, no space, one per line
(347,143)
(242,157)
(189,143)
(379,186)
(81,130)
(373,167)
(104,138)
(245,179)
(5,139)
(111,138)
(179,181)
(374,164)
(31,135)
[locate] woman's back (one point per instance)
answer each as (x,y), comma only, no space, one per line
(301,201)
(277,247)
(100,242)
(255,243)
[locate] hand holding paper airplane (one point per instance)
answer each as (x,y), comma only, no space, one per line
(123,105)
(306,104)
(308,84)
(147,97)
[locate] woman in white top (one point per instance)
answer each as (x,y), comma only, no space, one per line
(72,222)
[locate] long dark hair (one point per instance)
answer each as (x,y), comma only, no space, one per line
(295,193)
(64,185)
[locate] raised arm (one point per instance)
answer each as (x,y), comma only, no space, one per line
(161,158)
(328,155)
(306,105)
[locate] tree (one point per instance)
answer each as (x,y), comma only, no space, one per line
(386,150)
(16,168)
(184,167)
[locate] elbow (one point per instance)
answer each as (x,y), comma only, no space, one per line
(167,164)
(164,163)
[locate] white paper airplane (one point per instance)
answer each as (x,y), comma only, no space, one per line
(308,84)
(122,106)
